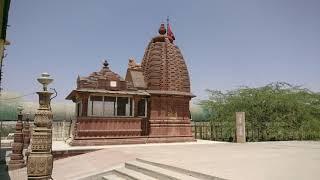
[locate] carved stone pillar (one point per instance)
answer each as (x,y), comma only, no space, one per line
(16,157)
(135,105)
(26,132)
(240,127)
(40,160)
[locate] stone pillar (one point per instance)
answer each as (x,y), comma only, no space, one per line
(240,127)
(16,157)
(40,160)
(26,132)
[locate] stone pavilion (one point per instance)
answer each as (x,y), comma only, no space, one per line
(151,104)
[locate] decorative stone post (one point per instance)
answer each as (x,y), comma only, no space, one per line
(40,160)
(16,157)
(26,132)
(241,127)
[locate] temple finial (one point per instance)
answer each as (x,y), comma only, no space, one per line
(162,29)
(105,64)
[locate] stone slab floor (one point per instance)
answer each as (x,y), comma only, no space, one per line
(250,161)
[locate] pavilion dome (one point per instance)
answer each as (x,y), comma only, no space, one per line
(100,79)
(163,65)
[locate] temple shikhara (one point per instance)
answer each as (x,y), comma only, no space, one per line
(151,104)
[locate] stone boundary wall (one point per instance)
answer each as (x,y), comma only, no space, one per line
(61,130)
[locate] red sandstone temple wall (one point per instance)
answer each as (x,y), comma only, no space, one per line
(105,127)
(169,116)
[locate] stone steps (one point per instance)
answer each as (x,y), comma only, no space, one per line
(146,170)
(157,172)
(112,177)
(131,174)
(181,170)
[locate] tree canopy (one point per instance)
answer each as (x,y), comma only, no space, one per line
(277,111)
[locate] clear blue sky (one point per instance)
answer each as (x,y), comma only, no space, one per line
(226,44)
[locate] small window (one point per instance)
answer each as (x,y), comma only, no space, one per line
(79,109)
(142,107)
(124,105)
(113,83)
(96,105)
(109,106)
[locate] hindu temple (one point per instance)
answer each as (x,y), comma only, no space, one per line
(149,105)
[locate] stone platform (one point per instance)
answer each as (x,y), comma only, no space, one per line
(130,140)
(257,161)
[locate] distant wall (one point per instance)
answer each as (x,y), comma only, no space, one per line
(61,130)
(61,111)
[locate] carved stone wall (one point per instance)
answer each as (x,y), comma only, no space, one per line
(105,127)
(169,116)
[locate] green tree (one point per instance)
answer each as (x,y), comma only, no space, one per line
(277,111)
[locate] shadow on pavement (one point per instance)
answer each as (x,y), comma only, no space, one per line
(4,174)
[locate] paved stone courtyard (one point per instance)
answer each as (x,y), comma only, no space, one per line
(257,161)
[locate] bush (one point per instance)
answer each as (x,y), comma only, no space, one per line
(277,111)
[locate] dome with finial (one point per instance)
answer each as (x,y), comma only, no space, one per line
(105,64)
(162,30)
(163,65)
(100,79)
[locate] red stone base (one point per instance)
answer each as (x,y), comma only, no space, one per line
(131,140)
(16,164)
(39,177)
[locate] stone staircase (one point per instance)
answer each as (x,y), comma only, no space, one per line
(146,170)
